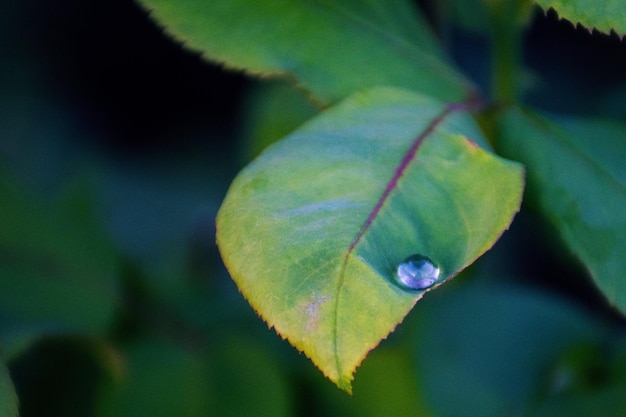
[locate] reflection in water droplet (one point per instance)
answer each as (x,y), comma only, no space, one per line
(417,272)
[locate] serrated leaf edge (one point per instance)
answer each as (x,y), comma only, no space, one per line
(579,24)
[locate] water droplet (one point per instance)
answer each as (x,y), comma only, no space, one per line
(417,272)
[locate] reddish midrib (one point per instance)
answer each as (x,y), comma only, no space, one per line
(408,157)
(391,186)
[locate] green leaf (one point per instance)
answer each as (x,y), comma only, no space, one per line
(314,229)
(58,271)
(330,48)
(478,336)
(235,378)
(386,386)
(8,397)
(589,382)
(577,177)
(606,402)
(604,15)
(480,15)
(273,111)
(159,379)
(246,369)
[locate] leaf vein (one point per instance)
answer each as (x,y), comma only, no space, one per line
(392,184)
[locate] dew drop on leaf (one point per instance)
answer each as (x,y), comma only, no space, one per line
(417,272)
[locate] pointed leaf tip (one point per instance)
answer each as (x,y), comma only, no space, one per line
(313,230)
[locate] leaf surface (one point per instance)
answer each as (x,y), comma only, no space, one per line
(603,15)
(164,379)
(273,111)
(401,397)
(58,272)
(8,397)
(477,336)
(331,48)
(313,230)
(577,177)
(159,379)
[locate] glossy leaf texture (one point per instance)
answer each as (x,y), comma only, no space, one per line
(313,230)
(8,397)
(577,177)
(604,15)
(332,49)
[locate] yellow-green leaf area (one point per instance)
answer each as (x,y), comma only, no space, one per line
(313,230)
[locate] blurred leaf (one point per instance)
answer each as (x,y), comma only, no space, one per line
(602,15)
(386,386)
(160,379)
(58,270)
(236,378)
(480,15)
(247,380)
(469,14)
(8,398)
(589,380)
(332,49)
(493,347)
(274,111)
(313,230)
(594,385)
(160,214)
(607,402)
(577,177)
(157,204)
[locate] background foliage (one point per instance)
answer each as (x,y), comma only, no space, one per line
(116,149)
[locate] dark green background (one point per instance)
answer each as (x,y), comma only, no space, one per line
(118,147)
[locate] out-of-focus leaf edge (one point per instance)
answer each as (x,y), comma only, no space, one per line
(8,394)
